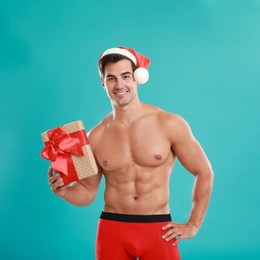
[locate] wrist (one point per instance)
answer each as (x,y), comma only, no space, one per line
(194,224)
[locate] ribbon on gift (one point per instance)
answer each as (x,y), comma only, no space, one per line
(60,146)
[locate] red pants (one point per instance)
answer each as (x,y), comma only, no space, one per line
(126,237)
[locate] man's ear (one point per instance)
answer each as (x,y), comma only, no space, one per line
(102,81)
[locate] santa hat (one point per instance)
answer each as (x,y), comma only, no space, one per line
(142,63)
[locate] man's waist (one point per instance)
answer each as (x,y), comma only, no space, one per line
(136,218)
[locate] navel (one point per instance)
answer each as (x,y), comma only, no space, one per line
(158,157)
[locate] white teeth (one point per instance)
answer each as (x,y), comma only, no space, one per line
(121,93)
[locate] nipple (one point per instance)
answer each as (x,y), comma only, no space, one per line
(158,157)
(104,163)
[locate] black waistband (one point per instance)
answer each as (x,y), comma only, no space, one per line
(136,218)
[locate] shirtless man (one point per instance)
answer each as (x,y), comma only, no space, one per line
(135,147)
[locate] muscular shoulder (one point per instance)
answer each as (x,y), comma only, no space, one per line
(95,133)
(166,119)
(175,126)
(171,119)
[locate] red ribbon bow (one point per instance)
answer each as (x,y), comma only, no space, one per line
(59,147)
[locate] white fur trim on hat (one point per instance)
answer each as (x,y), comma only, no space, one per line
(122,52)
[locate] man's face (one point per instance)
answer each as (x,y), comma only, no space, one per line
(119,82)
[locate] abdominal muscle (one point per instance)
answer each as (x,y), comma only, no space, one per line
(137,190)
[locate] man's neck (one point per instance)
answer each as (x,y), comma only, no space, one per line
(128,113)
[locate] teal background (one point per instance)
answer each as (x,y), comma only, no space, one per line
(205,66)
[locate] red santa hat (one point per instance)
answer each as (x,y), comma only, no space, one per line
(142,63)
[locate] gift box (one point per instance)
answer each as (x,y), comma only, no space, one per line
(68,149)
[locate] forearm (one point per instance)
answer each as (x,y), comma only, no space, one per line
(200,198)
(78,195)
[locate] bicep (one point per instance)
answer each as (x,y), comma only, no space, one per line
(87,188)
(188,150)
(192,156)
(91,183)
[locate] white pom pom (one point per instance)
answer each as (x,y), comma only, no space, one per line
(141,75)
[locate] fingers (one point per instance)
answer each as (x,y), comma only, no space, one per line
(172,234)
(50,172)
(169,225)
(178,240)
(55,180)
(176,232)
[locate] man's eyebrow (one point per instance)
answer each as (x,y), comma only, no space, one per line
(126,73)
(122,74)
(110,75)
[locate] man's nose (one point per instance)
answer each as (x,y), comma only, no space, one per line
(120,82)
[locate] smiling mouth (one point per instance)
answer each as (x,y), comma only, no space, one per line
(120,93)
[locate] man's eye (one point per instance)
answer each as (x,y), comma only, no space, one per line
(110,79)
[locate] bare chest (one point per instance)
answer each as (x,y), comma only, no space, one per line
(142,146)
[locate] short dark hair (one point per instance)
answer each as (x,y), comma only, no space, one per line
(111,58)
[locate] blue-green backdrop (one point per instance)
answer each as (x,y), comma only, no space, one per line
(205,64)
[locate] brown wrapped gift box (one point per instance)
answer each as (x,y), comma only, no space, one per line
(79,166)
